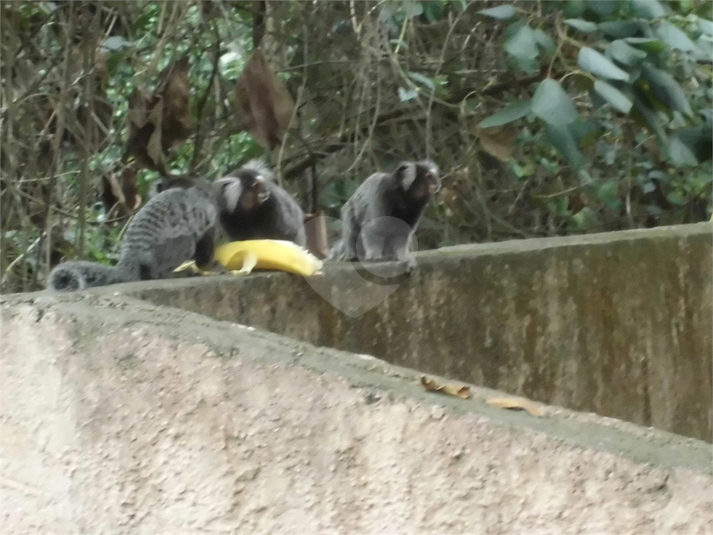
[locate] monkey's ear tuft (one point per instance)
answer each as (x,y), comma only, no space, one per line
(407,174)
(431,166)
(260,167)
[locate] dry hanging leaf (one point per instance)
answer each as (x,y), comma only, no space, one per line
(462,392)
(263,105)
(120,191)
(176,92)
(316,232)
(159,122)
(498,141)
(517,404)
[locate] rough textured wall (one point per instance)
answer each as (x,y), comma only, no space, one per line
(118,417)
(619,324)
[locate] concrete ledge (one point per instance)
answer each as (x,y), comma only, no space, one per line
(122,417)
(618,323)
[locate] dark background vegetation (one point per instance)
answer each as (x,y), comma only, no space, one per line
(546,118)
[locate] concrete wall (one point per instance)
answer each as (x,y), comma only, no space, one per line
(119,417)
(619,324)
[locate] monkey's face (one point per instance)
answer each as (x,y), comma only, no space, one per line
(420,181)
(254,192)
(244,193)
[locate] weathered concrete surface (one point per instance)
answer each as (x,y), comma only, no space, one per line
(119,417)
(619,324)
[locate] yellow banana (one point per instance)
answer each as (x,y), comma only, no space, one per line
(241,257)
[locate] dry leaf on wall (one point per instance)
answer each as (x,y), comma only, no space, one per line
(462,392)
(515,403)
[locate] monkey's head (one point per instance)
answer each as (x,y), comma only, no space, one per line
(245,190)
(419,180)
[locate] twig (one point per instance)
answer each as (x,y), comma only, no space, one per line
(198,143)
(20,258)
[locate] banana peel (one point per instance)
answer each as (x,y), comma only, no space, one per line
(241,257)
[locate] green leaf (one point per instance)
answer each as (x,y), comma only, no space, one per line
(558,205)
(138,27)
(500,12)
(584,218)
(699,140)
(624,53)
(551,104)
(675,38)
(521,171)
(648,9)
(654,210)
(407,94)
(680,154)
(423,80)
(676,198)
(115,43)
(619,29)
(592,61)
(603,8)
(705,45)
(433,10)
(573,8)
(463,4)
(652,46)
(607,194)
(114,61)
(706,26)
(666,89)
(412,8)
(522,44)
(613,96)
(513,112)
(585,133)
(562,140)
(544,42)
(647,117)
(583,26)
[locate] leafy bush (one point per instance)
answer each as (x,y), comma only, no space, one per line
(641,63)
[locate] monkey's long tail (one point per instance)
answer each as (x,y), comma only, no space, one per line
(79,275)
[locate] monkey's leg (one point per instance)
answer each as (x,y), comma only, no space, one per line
(351,236)
(373,242)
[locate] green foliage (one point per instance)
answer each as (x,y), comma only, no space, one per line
(646,60)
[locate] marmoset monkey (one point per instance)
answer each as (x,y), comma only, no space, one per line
(380,218)
(252,206)
(176,225)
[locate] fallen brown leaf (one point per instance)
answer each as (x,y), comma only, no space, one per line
(462,392)
(517,404)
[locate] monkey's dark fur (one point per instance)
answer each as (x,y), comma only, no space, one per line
(252,206)
(379,219)
(176,225)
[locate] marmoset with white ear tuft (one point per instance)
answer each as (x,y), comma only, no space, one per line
(252,206)
(380,218)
